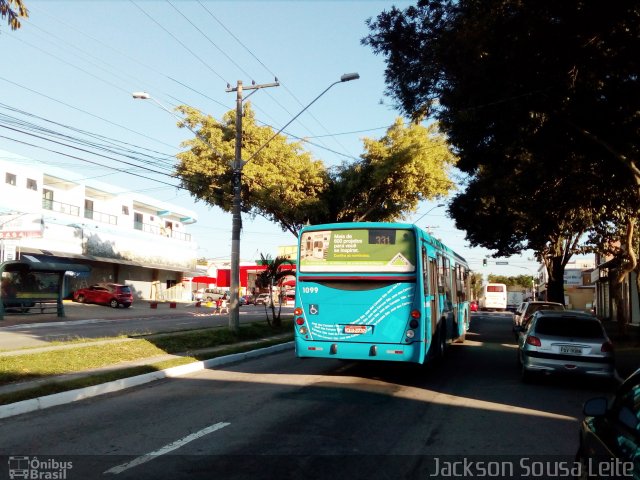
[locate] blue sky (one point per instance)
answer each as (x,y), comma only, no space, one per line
(77,62)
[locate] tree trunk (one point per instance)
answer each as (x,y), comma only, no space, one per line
(271,305)
(620,312)
(555,284)
(628,263)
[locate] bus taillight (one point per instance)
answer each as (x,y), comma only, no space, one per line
(415,314)
(299,321)
(297,311)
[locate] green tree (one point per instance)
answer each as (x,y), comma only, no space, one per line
(528,209)
(12,10)
(410,163)
(269,278)
(524,281)
(288,186)
(537,99)
(281,183)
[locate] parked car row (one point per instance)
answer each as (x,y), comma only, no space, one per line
(116,295)
(555,341)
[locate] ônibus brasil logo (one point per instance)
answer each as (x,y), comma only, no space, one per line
(34,468)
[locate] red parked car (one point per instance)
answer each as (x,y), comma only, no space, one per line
(473,306)
(112,294)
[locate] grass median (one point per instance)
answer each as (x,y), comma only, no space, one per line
(69,360)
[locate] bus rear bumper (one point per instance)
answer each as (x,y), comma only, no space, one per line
(360,351)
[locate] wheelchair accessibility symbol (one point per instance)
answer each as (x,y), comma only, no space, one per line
(313,309)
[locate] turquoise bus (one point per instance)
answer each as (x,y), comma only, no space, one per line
(378,291)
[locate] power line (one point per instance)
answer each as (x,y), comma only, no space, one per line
(82,159)
(85,112)
(181,43)
(283,84)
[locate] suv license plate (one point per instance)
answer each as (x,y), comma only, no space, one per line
(571,350)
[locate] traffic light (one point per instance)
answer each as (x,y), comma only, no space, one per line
(484,262)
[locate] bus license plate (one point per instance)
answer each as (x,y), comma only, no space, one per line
(571,350)
(355,329)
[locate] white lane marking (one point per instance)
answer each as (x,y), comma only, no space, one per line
(167,448)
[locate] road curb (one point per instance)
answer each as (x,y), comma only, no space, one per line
(62,398)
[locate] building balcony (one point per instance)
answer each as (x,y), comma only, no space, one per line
(101,217)
(162,231)
(60,207)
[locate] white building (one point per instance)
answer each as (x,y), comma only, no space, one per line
(62,216)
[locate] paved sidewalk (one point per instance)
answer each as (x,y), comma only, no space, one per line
(627,348)
(79,311)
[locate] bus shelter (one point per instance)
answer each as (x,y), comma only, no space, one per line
(35,286)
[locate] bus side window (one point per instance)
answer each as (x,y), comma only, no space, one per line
(445,278)
(440,274)
(425,271)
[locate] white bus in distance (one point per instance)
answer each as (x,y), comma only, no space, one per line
(494,297)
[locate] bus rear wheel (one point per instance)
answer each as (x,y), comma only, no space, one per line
(465,327)
(441,342)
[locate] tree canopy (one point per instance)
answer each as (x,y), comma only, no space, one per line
(289,187)
(525,281)
(537,100)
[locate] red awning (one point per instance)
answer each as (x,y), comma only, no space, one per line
(204,280)
(289,283)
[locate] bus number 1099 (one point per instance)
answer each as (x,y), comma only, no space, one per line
(310,289)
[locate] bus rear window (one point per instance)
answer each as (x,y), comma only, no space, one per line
(358,250)
(495,288)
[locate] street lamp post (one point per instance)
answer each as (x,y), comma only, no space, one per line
(147,96)
(428,212)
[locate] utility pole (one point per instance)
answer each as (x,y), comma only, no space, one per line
(234,307)
(236,222)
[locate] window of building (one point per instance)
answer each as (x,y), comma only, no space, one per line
(10,178)
(88,208)
(125,210)
(47,199)
(32,184)
(167,230)
(137,221)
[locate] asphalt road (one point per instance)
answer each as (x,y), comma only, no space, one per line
(95,321)
(282,417)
